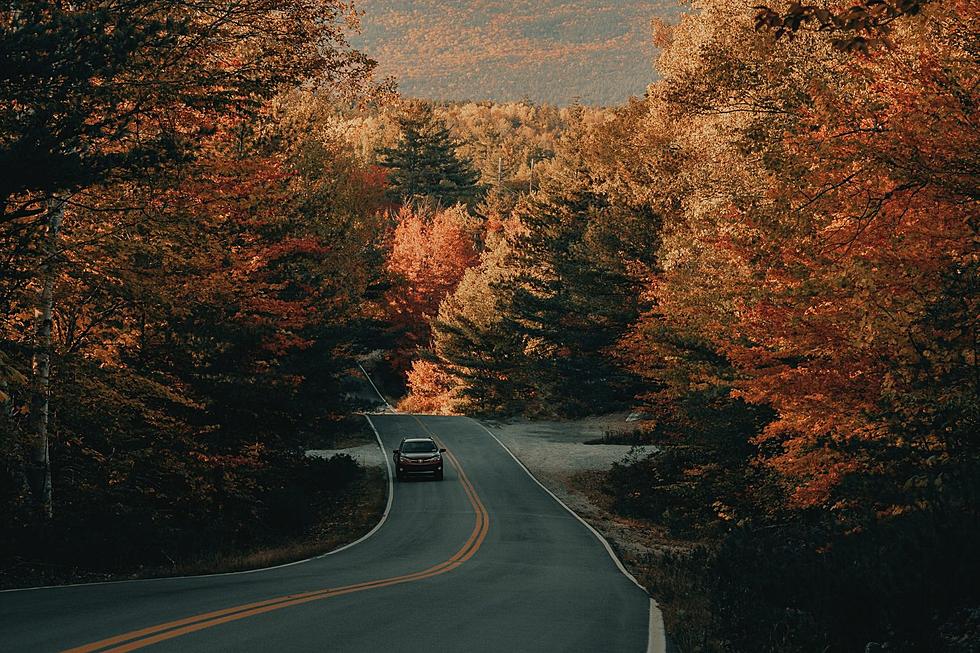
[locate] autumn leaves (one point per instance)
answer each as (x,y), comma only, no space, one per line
(205,280)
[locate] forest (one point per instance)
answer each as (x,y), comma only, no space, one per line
(209,218)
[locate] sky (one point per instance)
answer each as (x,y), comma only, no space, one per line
(554,51)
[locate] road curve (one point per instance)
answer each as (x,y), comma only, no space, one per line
(485,560)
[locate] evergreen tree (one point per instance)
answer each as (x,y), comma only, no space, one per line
(573,297)
(425,163)
(476,343)
(531,329)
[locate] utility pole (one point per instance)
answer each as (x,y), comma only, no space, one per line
(500,171)
(530,178)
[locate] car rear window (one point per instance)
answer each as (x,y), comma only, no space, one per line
(418,447)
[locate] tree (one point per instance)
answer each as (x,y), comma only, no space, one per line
(430,387)
(99,86)
(844,239)
(533,327)
(818,267)
(857,26)
(217,321)
(478,349)
(429,255)
(573,296)
(425,163)
(100,90)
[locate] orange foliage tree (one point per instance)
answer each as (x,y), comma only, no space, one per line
(429,254)
(431,389)
(809,338)
(97,93)
(828,248)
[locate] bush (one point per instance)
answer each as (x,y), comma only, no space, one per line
(161,514)
(761,578)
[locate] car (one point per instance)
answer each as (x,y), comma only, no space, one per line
(418,456)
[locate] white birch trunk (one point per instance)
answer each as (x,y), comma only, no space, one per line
(39,462)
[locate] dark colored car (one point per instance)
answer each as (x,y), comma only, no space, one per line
(417,456)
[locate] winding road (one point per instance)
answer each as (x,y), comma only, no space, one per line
(486,560)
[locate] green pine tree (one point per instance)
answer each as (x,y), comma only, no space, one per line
(425,164)
(478,345)
(534,327)
(573,297)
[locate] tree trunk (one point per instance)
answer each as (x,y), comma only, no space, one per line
(38,460)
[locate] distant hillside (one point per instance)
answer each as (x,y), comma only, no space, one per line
(554,51)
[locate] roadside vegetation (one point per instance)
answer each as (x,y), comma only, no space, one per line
(772,255)
(184,278)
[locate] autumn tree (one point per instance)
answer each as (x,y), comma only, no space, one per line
(855,28)
(431,389)
(117,76)
(538,320)
(117,110)
(818,263)
(823,248)
(128,89)
(217,319)
(429,254)
(478,350)
(503,140)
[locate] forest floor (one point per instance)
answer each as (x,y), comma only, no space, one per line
(342,520)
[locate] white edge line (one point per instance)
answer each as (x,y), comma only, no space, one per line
(377,527)
(391,491)
(656,633)
(371,381)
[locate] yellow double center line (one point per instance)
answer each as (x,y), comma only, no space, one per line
(171,629)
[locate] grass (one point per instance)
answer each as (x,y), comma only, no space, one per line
(672,569)
(352,431)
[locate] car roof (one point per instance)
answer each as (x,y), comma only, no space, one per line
(418,440)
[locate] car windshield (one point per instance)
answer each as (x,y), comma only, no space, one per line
(419,446)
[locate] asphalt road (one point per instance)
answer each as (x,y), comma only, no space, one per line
(485,560)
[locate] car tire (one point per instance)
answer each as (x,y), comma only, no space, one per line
(438,475)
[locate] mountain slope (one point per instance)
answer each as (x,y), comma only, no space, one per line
(555,51)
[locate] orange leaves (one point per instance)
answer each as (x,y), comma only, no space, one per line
(823,237)
(428,257)
(859,23)
(431,389)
